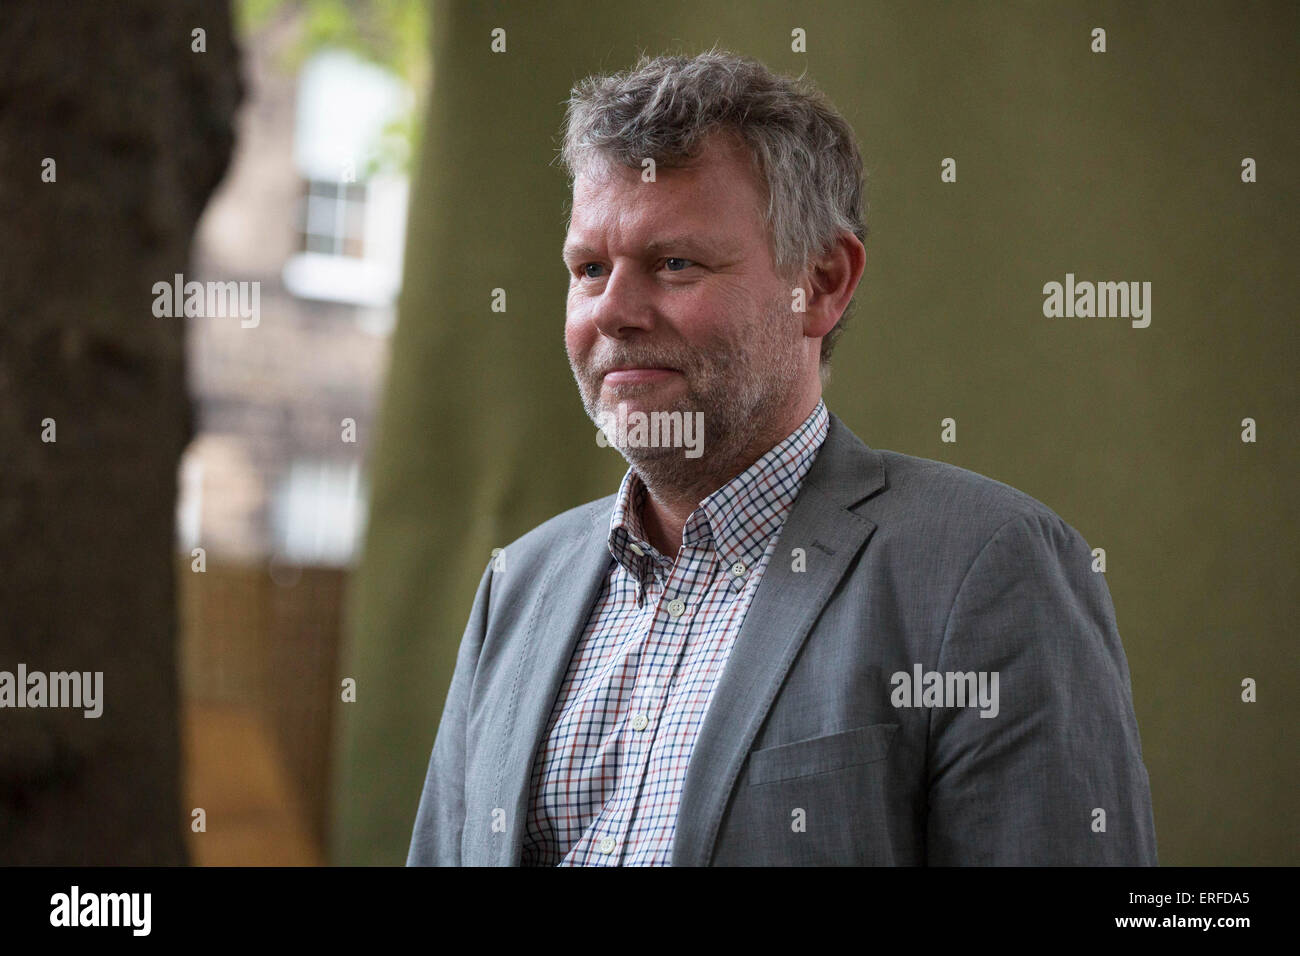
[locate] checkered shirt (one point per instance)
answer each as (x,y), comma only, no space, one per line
(608,775)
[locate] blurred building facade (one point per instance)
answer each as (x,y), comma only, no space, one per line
(273,487)
(274,471)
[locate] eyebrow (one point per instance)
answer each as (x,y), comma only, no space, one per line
(692,244)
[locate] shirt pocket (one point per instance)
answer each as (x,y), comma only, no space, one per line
(847,748)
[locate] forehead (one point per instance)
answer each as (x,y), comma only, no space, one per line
(717,196)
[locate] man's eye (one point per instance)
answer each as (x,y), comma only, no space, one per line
(590,265)
(685,262)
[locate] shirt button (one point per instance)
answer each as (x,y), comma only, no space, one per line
(607,845)
(675,608)
(738,569)
(639,722)
(637,551)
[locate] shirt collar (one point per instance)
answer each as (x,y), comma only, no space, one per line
(740,517)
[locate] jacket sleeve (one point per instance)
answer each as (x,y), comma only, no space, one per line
(1056,776)
(440,820)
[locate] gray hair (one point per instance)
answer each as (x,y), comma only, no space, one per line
(666,107)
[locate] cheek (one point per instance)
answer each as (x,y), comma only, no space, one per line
(725,315)
(579,333)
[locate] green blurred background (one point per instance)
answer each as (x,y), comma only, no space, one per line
(1121,166)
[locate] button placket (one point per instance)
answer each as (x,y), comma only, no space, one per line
(640,746)
(648,702)
(616,818)
(617,823)
(647,705)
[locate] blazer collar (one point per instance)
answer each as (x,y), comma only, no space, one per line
(778,621)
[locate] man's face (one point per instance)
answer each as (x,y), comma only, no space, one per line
(674,303)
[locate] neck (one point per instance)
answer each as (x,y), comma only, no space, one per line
(671,497)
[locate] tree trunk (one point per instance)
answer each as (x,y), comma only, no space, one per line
(139,128)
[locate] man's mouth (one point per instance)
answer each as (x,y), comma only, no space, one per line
(633,375)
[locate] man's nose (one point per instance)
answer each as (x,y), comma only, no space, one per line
(624,304)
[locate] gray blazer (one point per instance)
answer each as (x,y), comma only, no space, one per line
(886,565)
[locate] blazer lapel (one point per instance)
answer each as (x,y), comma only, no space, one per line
(562,604)
(777,623)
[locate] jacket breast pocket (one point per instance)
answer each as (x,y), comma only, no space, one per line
(847,748)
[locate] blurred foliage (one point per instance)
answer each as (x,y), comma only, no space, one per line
(393,34)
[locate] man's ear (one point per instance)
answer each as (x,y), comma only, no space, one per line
(829,283)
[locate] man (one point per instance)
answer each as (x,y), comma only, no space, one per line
(782,646)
